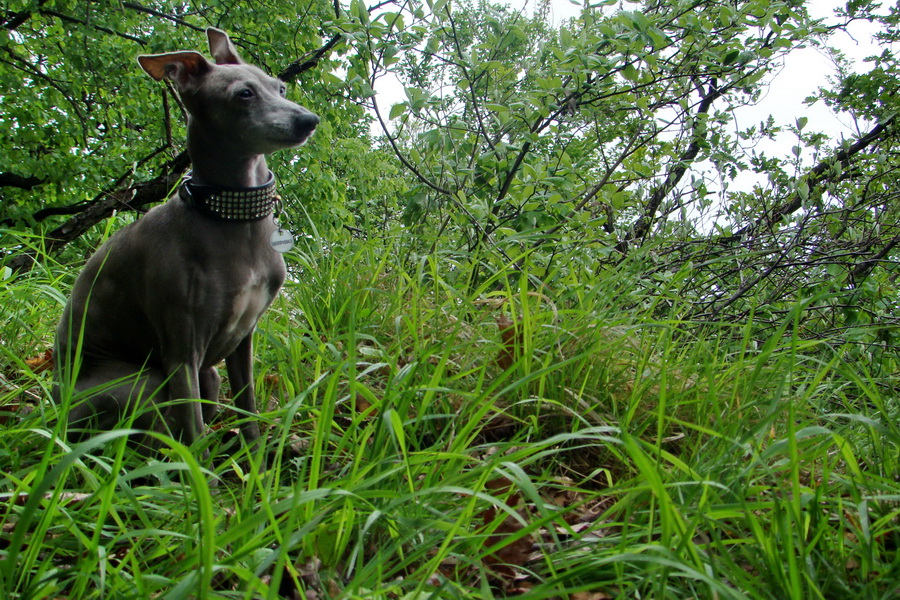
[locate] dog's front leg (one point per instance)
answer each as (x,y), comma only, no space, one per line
(240,376)
(187,411)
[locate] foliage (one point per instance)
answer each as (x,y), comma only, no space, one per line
(84,130)
(532,127)
(613,133)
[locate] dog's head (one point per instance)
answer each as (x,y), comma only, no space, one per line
(233,97)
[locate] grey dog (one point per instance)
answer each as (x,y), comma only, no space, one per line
(170,296)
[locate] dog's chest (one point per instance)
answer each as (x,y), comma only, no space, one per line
(248,301)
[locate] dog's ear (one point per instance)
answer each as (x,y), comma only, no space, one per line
(180,67)
(221,47)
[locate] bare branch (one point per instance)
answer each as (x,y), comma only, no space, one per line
(20,181)
(642,226)
(309,60)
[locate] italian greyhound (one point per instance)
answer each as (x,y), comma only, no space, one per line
(170,296)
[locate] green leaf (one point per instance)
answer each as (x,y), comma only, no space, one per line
(630,73)
(731,57)
(397,110)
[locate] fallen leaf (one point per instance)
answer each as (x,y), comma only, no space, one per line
(41,362)
(504,559)
(288,588)
(511,340)
(519,588)
(589,596)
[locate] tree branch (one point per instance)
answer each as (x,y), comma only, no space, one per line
(411,167)
(13,20)
(68,19)
(138,8)
(642,226)
(864,268)
(122,195)
(130,197)
(814,179)
(19,181)
(310,60)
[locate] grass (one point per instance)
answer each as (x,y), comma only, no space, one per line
(415,450)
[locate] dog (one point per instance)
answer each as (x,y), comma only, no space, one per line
(171,295)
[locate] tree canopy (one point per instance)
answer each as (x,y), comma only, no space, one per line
(600,147)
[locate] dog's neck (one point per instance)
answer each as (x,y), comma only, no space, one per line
(220,162)
(226,185)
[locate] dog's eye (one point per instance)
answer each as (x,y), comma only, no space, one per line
(283,91)
(245,93)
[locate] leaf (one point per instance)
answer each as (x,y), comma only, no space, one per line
(41,362)
(360,11)
(630,72)
(398,110)
(438,6)
(511,340)
(731,57)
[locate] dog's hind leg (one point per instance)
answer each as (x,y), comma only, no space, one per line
(112,394)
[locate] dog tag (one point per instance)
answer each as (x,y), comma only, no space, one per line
(281,240)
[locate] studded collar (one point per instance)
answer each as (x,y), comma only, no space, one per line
(236,205)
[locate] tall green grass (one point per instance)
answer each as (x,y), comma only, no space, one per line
(619,453)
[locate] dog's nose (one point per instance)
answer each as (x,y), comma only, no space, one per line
(305,124)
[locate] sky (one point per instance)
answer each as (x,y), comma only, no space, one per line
(808,69)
